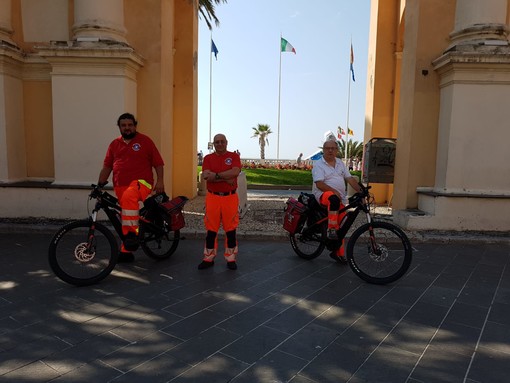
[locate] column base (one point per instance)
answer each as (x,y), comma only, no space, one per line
(456,211)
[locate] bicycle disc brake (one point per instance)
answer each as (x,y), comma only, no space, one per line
(379,254)
(84,253)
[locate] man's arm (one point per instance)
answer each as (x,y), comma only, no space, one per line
(103,175)
(352,181)
(159,186)
(224,176)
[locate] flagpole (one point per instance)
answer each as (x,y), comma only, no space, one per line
(210,96)
(279,94)
(348,107)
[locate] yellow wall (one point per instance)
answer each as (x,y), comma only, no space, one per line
(403,89)
(167,84)
(382,77)
(418,114)
(38,129)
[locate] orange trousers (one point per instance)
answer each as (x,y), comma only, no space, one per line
(129,198)
(325,201)
(221,211)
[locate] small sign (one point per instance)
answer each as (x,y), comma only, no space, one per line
(210,146)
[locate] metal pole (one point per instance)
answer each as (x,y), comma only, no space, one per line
(279,94)
(348,107)
(210,97)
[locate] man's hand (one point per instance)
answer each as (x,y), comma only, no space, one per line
(159,187)
(208,175)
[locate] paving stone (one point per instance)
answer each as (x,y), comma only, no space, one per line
(277,318)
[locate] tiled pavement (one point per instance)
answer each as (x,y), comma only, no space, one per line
(278,318)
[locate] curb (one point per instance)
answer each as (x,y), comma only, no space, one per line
(414,237)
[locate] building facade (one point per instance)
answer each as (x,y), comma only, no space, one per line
(68,69)
(439,82)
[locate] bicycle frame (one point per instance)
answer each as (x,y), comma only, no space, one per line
(350,217)
(359,204)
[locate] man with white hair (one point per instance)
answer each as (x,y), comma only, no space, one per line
(329,176)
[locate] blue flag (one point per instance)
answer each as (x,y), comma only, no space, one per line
(214,49)
(352,64)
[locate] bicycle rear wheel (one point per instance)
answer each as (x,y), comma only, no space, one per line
(309,242)
(81,256)
(158,242)
(379,252)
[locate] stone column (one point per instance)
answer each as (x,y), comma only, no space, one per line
(5,21)
(99,20)
(477,21)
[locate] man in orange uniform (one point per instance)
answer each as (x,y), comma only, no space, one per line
(220,169)
(131,157)
(329,176)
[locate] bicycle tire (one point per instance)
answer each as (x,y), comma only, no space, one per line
(161,245)
(393,260)
(309,242)
(69,259)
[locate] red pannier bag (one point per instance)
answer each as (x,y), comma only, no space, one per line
(294,215)
(173,209)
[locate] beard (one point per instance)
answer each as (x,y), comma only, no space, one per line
(128,136)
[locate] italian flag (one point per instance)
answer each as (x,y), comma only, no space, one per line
(286,46)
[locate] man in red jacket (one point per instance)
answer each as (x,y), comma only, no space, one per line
(220,169)
(131,157)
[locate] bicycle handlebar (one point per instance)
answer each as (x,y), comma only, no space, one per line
(356,197)
(97,190)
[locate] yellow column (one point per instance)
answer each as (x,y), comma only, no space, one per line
(184,155)
(12,135)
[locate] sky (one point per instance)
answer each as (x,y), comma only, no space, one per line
(242,84)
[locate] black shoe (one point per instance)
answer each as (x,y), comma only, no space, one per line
(332,234)
(131,241)
(338,258)
(125,257)
(205,265)
(232,265)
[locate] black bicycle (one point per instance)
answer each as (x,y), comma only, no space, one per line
(85,252)
(378,252)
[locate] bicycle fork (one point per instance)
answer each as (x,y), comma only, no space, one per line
(373,244)
(90,235)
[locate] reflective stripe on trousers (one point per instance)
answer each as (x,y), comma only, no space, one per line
(129,197)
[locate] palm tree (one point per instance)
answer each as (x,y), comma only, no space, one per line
(206,9)
(354,149)
(262,131)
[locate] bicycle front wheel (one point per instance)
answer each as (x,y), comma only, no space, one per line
(379,252)
(159,242)
(309,242)
(81,254)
